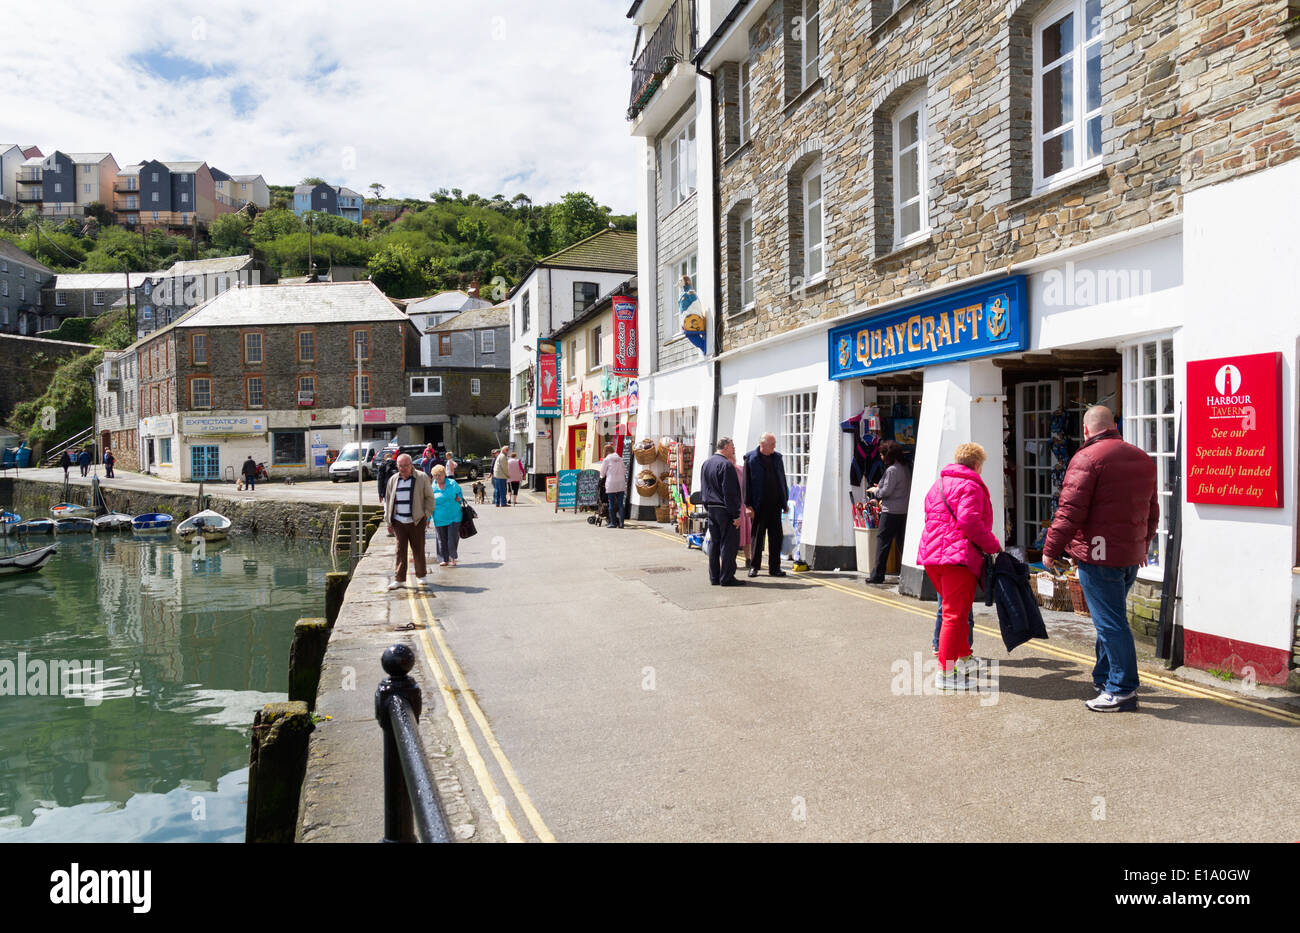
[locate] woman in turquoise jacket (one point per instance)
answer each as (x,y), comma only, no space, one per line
(447,502)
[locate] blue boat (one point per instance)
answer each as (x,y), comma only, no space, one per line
(152,523)
(65,526)
(35,526)
(8,520)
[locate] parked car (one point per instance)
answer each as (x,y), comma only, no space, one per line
(471,468)
(353,456)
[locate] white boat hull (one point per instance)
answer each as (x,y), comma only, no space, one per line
(27,561)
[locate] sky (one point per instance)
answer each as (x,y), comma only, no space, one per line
(489,96)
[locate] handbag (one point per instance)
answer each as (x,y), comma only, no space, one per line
(467,516)
(986,570)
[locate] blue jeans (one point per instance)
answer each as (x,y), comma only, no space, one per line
(1106,589)
(616,509)
(498,491)
(938,624)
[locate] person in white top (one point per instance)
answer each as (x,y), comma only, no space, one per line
(615,477)
(515,471)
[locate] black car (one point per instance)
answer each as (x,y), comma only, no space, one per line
(471,469)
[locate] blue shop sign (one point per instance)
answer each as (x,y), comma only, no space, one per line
(981,321)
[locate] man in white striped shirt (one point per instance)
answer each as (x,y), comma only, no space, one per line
(408,503)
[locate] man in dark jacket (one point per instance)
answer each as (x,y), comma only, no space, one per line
(720,490)
(766,497)
(386,469)
(249,470)
(1108,513)
(65,461)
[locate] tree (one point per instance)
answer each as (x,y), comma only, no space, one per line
(537,234)
(575,217)
(101,213)
(273,224)
(377,188)
(396,270)
(312,180)
(229,233)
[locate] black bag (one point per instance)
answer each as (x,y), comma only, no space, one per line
(1018,614)
(467,516)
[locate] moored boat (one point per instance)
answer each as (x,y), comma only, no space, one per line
(210,525)
(152,523)
(35,526)
(8,521)
(71,510)
(113,521)
(65,526)
(27,561)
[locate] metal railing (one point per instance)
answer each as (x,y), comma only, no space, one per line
(673,41)
(76,440)
(411,804)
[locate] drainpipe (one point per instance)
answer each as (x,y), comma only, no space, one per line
(717,250)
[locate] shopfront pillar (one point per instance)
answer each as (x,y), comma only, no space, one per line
(827,534)
(961,402)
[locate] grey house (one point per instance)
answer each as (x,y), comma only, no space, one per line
(21,281)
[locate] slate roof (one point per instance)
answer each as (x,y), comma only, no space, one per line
(318,303)
(218,174)
(98,281)
(606,250)
(14,254)
(451,300)
(87,156)
(183,167)
(209,266)
(244,178)
(476,319)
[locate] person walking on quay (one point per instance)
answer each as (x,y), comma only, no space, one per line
(767,498)
(500,476)
(720,490)
(448,501)
(83,461)
(958,533)
(893,491)
(615,477)
(109,460)
(65,461)
(408,503)
(386,469)
(746,519)
(1108,513)
(515,476)
(249,469)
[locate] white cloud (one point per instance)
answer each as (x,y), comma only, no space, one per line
(490,97)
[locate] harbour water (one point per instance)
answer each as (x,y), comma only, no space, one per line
(134,671)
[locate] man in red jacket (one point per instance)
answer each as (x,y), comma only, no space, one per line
(1108,512)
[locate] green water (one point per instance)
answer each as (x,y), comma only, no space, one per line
(157,748)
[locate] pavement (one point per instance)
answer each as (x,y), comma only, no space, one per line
(588,684)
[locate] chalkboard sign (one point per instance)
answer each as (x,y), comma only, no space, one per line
(588,487)
(566,489)
(627,473)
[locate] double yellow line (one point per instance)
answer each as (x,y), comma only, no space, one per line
(1165,682)
(421,610)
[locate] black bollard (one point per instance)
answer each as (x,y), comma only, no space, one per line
(399,826)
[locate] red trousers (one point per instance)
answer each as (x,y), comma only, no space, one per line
(956,585)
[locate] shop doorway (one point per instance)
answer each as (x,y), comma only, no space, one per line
(578,447)
(205,462)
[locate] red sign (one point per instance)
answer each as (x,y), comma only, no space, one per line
(374,415)
(548,377)
(1234,430)
(625,345)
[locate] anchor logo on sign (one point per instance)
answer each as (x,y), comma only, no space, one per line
(998,319)
(844,352)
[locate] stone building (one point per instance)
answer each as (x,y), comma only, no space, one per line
(21,281)
(117,422)
(271,372)
(945,221)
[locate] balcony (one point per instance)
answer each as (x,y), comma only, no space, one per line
(120,188)
(28,177)
(673,41)
(30,197)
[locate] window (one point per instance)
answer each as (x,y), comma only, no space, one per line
(487,341)
(253,349)
(811,36)
(362,389)
(573,357)
(200,393)
(910,175)
(444,344)
(475,385)
(584,296)
(153,196)
(306,346)
(814,242)
(165,451)
(684,267)
(593,348)
(747,259)
(796,435)
(97,298)
(254,386)
(306,387)
(745,106)
(85,189)
(146,313)
(185,197)
(360,345)
(288,448)
(155,181)
(1150,420)
(1067,90)
(22,292)
(198,349)
(426,385)
(681,165)
(524,305)
(58,188)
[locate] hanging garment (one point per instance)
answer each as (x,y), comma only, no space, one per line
(865,446)
(1018,613)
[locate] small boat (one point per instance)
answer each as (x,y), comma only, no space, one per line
(66,526)
(72,510)
(8,521)
(113,521)
(212,526)
(35,526)
(152,523)
(27,561)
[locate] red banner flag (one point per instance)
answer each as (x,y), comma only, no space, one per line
(625,336)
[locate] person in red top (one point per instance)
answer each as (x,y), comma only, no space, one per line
(1107,514)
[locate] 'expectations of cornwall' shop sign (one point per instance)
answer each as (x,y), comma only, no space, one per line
(981,321)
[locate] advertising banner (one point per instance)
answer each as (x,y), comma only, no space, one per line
(216,426)
(982,321)
(625,336)
(1234,430)
(567,489)
(548,379)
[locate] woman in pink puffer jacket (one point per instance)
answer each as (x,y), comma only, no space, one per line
(950,550)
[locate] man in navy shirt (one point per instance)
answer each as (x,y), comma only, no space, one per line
(720,490)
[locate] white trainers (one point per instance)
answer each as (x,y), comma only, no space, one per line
(1112,703)
(965,675)
(397,584)
(421,582)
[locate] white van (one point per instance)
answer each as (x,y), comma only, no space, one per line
(345,467)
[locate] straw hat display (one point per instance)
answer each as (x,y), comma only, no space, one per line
(646,451)
(647,484)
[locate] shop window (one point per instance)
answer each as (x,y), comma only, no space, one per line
(165,451)
(288,448)
(795,439)
(1150,420)
(1067,90)
(678,423)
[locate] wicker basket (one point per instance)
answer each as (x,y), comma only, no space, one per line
(1059,600)
(646,455)
(665,453)
(662,513)
(664,490)
(1077,599)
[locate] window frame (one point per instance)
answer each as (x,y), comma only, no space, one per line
(309,332)
(356,379)
(1078,123)
(353,343)
(194,349)
(913,103)
(487,342)
(444,344)
(261,347)
(747,258)
(426,390)
(580,303)
(745,104)
(681,177)
(475,386)
(798,457)
(248,391)
(815,170)
(594,347)
(194,381)
(813,34)
(1133,423)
